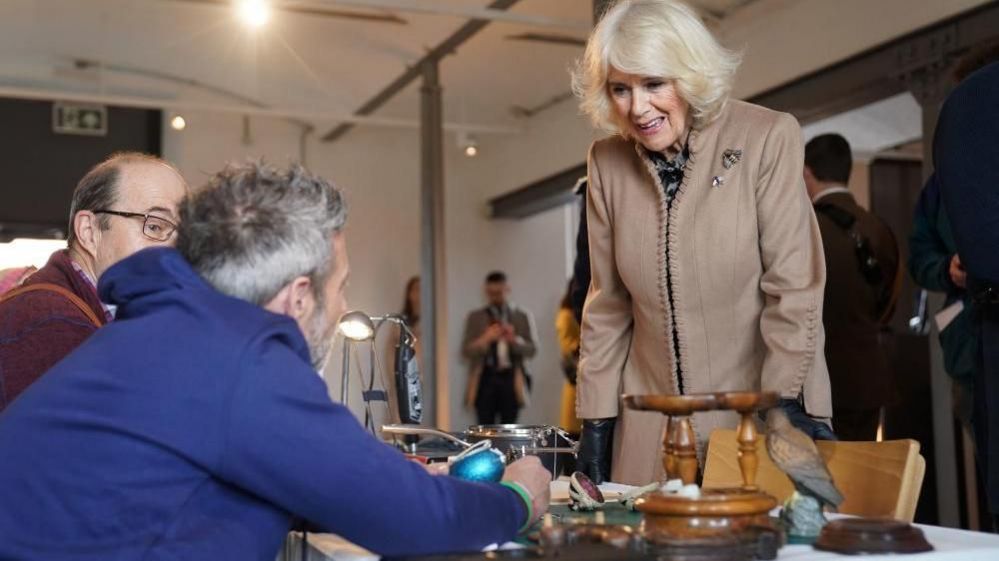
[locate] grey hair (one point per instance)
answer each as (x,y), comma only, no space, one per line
(98,189)
(255,227)
(662,38)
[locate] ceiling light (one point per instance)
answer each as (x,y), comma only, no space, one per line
(178,123)
(255,13)
(468,144)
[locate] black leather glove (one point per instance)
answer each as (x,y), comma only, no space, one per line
(814,428)
(595,444)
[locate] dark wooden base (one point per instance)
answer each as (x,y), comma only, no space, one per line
(871,535)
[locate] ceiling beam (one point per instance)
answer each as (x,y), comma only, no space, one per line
(550,192)
(885,70)
(489,13)
(447,47)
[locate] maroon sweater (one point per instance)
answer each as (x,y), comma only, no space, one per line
(39,328)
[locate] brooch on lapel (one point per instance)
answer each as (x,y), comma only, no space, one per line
(731,157)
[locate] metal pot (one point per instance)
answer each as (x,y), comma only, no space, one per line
(551,444)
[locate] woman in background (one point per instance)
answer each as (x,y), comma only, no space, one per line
(411,305)
(567,330)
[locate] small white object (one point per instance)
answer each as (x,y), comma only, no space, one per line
(691,491)
(178,123)
(599,518)
(672,486)
(717,181)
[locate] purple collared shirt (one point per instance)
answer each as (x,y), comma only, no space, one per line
(108,309)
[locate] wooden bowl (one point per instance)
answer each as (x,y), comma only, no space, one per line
(717,512)
(680,405)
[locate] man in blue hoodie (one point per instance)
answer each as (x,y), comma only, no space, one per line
(196,427)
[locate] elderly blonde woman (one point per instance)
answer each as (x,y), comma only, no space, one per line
(707,263)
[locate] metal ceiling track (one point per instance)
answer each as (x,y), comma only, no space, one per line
(415,71)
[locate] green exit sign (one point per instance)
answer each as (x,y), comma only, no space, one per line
(77,118)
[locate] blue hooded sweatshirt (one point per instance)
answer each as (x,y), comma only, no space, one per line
(194,427)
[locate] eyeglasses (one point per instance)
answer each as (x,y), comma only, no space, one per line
(153,227)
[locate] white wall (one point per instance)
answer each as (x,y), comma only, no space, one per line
(531,251)
(378,169)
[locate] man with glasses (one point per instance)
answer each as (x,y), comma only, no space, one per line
(123,204)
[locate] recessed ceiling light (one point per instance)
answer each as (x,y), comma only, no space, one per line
(255,13)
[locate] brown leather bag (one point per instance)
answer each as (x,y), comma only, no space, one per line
(76,300)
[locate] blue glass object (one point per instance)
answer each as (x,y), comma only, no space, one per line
(484,464)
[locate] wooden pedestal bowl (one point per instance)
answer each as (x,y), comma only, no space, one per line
(718,514)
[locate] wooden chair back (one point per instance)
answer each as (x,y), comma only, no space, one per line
(880,479)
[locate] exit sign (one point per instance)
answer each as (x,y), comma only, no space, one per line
(77,118)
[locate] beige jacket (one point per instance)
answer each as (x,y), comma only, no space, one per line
(745,262)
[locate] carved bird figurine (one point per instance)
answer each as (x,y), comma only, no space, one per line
(797,456)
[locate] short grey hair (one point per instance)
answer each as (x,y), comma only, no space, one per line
(255,227)
(660,38)
(98,189)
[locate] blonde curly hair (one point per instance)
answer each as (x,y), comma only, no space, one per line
(659,38)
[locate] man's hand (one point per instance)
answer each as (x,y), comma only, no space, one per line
(489,336)
(533,478)
(437,468)
(509,334)
(958,275)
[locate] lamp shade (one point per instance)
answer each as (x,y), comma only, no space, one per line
(357,326)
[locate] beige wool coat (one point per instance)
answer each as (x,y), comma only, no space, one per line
(741,250)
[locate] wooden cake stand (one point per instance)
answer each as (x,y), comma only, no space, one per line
(718,514)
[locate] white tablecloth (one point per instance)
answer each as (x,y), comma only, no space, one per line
(949,544)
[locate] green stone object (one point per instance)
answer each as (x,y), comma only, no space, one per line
(802,518)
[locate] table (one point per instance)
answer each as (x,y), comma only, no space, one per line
(949,544)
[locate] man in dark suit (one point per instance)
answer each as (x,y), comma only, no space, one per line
(861,271)
(966,165)
(498,340)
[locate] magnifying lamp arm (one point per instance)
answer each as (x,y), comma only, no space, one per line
(396,319)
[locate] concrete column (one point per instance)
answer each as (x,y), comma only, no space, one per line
(433,277)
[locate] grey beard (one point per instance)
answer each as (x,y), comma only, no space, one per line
(320,340)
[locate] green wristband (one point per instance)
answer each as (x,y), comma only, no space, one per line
(517,488)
